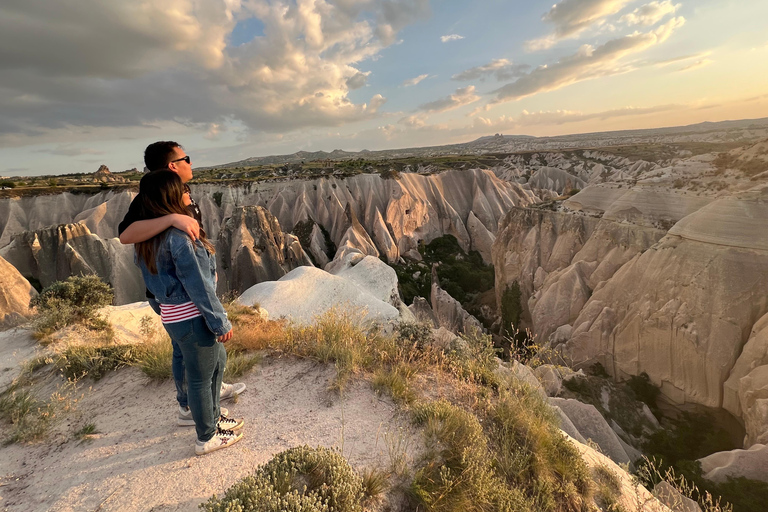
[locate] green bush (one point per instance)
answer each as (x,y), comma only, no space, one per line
(301,479)
(72,301)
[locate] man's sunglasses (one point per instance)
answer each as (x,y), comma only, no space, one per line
(186,159)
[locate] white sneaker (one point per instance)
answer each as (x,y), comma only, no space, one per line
(221,439)
(225,423)
(185,416)
(229,391)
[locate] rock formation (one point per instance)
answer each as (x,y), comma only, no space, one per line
(15,294)
(448,311)
(308,292)
(251,249)
(53,254)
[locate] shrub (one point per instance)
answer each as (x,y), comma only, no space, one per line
(80,361)
(511,308)
(301,479)
(69,302)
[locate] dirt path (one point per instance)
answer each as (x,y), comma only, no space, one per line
(141,461)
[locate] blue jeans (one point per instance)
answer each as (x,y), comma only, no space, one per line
(204,363)
(177,365)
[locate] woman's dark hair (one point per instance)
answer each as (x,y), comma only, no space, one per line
(161,193)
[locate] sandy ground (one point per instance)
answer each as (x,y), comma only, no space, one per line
(141,461)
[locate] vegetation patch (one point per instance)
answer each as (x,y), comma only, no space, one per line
(70,302)
(463,275)
(300,479)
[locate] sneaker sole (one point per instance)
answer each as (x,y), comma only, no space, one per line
(220,447)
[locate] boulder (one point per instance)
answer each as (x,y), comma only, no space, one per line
(374,276)
(517,370)
(591,425)
(753,395)
(751,464)
(308,292)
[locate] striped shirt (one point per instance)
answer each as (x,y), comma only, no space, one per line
(172,313)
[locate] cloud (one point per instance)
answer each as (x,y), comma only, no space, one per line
(377,101)
(571,17)
(502,69)
(414,81)
(451,37)
(64,150)
(558,117)
(696,65)
(650,14)
(462,96)
(586,64)
(358,80)
(110,63)
(674,60)
(414,121)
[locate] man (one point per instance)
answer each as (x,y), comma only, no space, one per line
(133,229)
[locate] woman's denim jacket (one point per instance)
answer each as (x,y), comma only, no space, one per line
(186,272)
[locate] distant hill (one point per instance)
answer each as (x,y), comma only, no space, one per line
(746,130)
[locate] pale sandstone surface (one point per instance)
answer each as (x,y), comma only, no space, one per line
(591,425)
(15,294)
(552,178)
(731,222)
(654,206)
(481,239)
(307,292)
(751,464)
(16,346)
(252,248)
(374,276)
(745,396)
(679,312)
(53,254)
(634,497)
(33,213)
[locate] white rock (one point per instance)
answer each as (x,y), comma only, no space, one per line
(550,379)
(307,292)
(591,424)
(751,463)
(374,276)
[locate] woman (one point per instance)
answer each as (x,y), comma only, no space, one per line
(181,273)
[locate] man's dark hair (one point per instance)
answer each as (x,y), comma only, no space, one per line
(158,154)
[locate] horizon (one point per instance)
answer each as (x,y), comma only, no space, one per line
(260,78)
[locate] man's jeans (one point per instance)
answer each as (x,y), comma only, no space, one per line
(177,365)
(204,363)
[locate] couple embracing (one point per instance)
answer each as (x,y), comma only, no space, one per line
(179,268)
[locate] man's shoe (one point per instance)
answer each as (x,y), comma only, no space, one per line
(229,391)
(185,416)
(221,439)
(225,423)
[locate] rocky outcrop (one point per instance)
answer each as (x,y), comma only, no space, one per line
(448,311)
(591,425)
(552,178)
(680,311)
(15,294)
(559,259)
(374,276)
(20,214)
(745,393)
(394,214)
(308,292)
(251,249)
(751,464)
(53,254)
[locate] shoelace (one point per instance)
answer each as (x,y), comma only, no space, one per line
(224,419)
(225,432)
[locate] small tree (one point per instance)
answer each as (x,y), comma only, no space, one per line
(74,300)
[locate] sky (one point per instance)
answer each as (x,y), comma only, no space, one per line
(91,82)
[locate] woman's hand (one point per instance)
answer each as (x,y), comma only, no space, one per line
(226,337)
